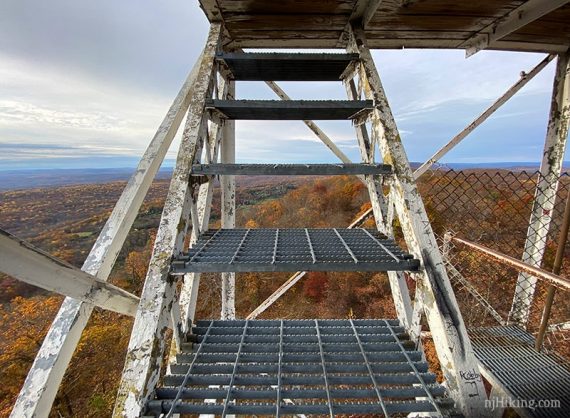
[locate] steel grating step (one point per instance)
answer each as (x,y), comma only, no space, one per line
(277,66)
(272,382)
(507,353)
(290,169)
(246,250)
(290,109)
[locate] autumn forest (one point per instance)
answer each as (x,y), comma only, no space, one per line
(65,221)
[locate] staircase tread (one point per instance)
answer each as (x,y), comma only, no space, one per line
(286,66)
(293,249)
(290,169)
(290,109)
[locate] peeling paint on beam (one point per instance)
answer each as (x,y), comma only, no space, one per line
(31,265)
(442,311)
(398,286)
(191,285)
(146,346)
(545,196)
(228,186)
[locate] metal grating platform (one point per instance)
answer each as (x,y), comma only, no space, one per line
(243,250)
(275,367)
(290,169)
(287,66)
(290,109)
(508,354)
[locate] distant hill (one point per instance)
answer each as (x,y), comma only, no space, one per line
(26,179)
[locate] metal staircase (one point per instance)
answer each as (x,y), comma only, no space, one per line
(301,367)
(297,366)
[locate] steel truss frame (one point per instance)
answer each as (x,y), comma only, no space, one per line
(188,202)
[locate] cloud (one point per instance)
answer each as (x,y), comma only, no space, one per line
(87,79)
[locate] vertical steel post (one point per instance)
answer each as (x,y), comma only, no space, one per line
(191,284)
(146,346)
(450,337)
(545,196)
(228,185)
(562,238)
(398,286)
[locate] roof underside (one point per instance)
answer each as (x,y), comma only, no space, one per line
(395,24)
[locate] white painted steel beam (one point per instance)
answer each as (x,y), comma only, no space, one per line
(29,264)
(146,346)
(525,78)
(450,337)
(547,186)
(191,285)
(46,373)
(514,20)
(228,221)
(398,286)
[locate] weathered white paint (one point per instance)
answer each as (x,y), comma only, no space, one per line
(398,286)
(367,152)
(442,312)
(46,373)
(29,264)
(545,196)
(524,79)
(190,287)
(526,13)
(146,346)
(228,186)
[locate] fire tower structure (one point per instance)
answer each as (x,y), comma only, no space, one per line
(229,366)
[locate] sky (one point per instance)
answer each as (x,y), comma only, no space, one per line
(86,84)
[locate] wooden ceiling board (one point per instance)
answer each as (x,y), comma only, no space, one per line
(396,24)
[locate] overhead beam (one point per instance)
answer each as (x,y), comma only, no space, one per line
(23,261)
(521,16)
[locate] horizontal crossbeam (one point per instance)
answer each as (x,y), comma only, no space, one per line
(290,109)
(31,265)
(290,169)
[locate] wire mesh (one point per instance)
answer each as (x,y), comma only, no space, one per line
(493,208)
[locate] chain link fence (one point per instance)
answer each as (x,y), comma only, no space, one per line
(493,208)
